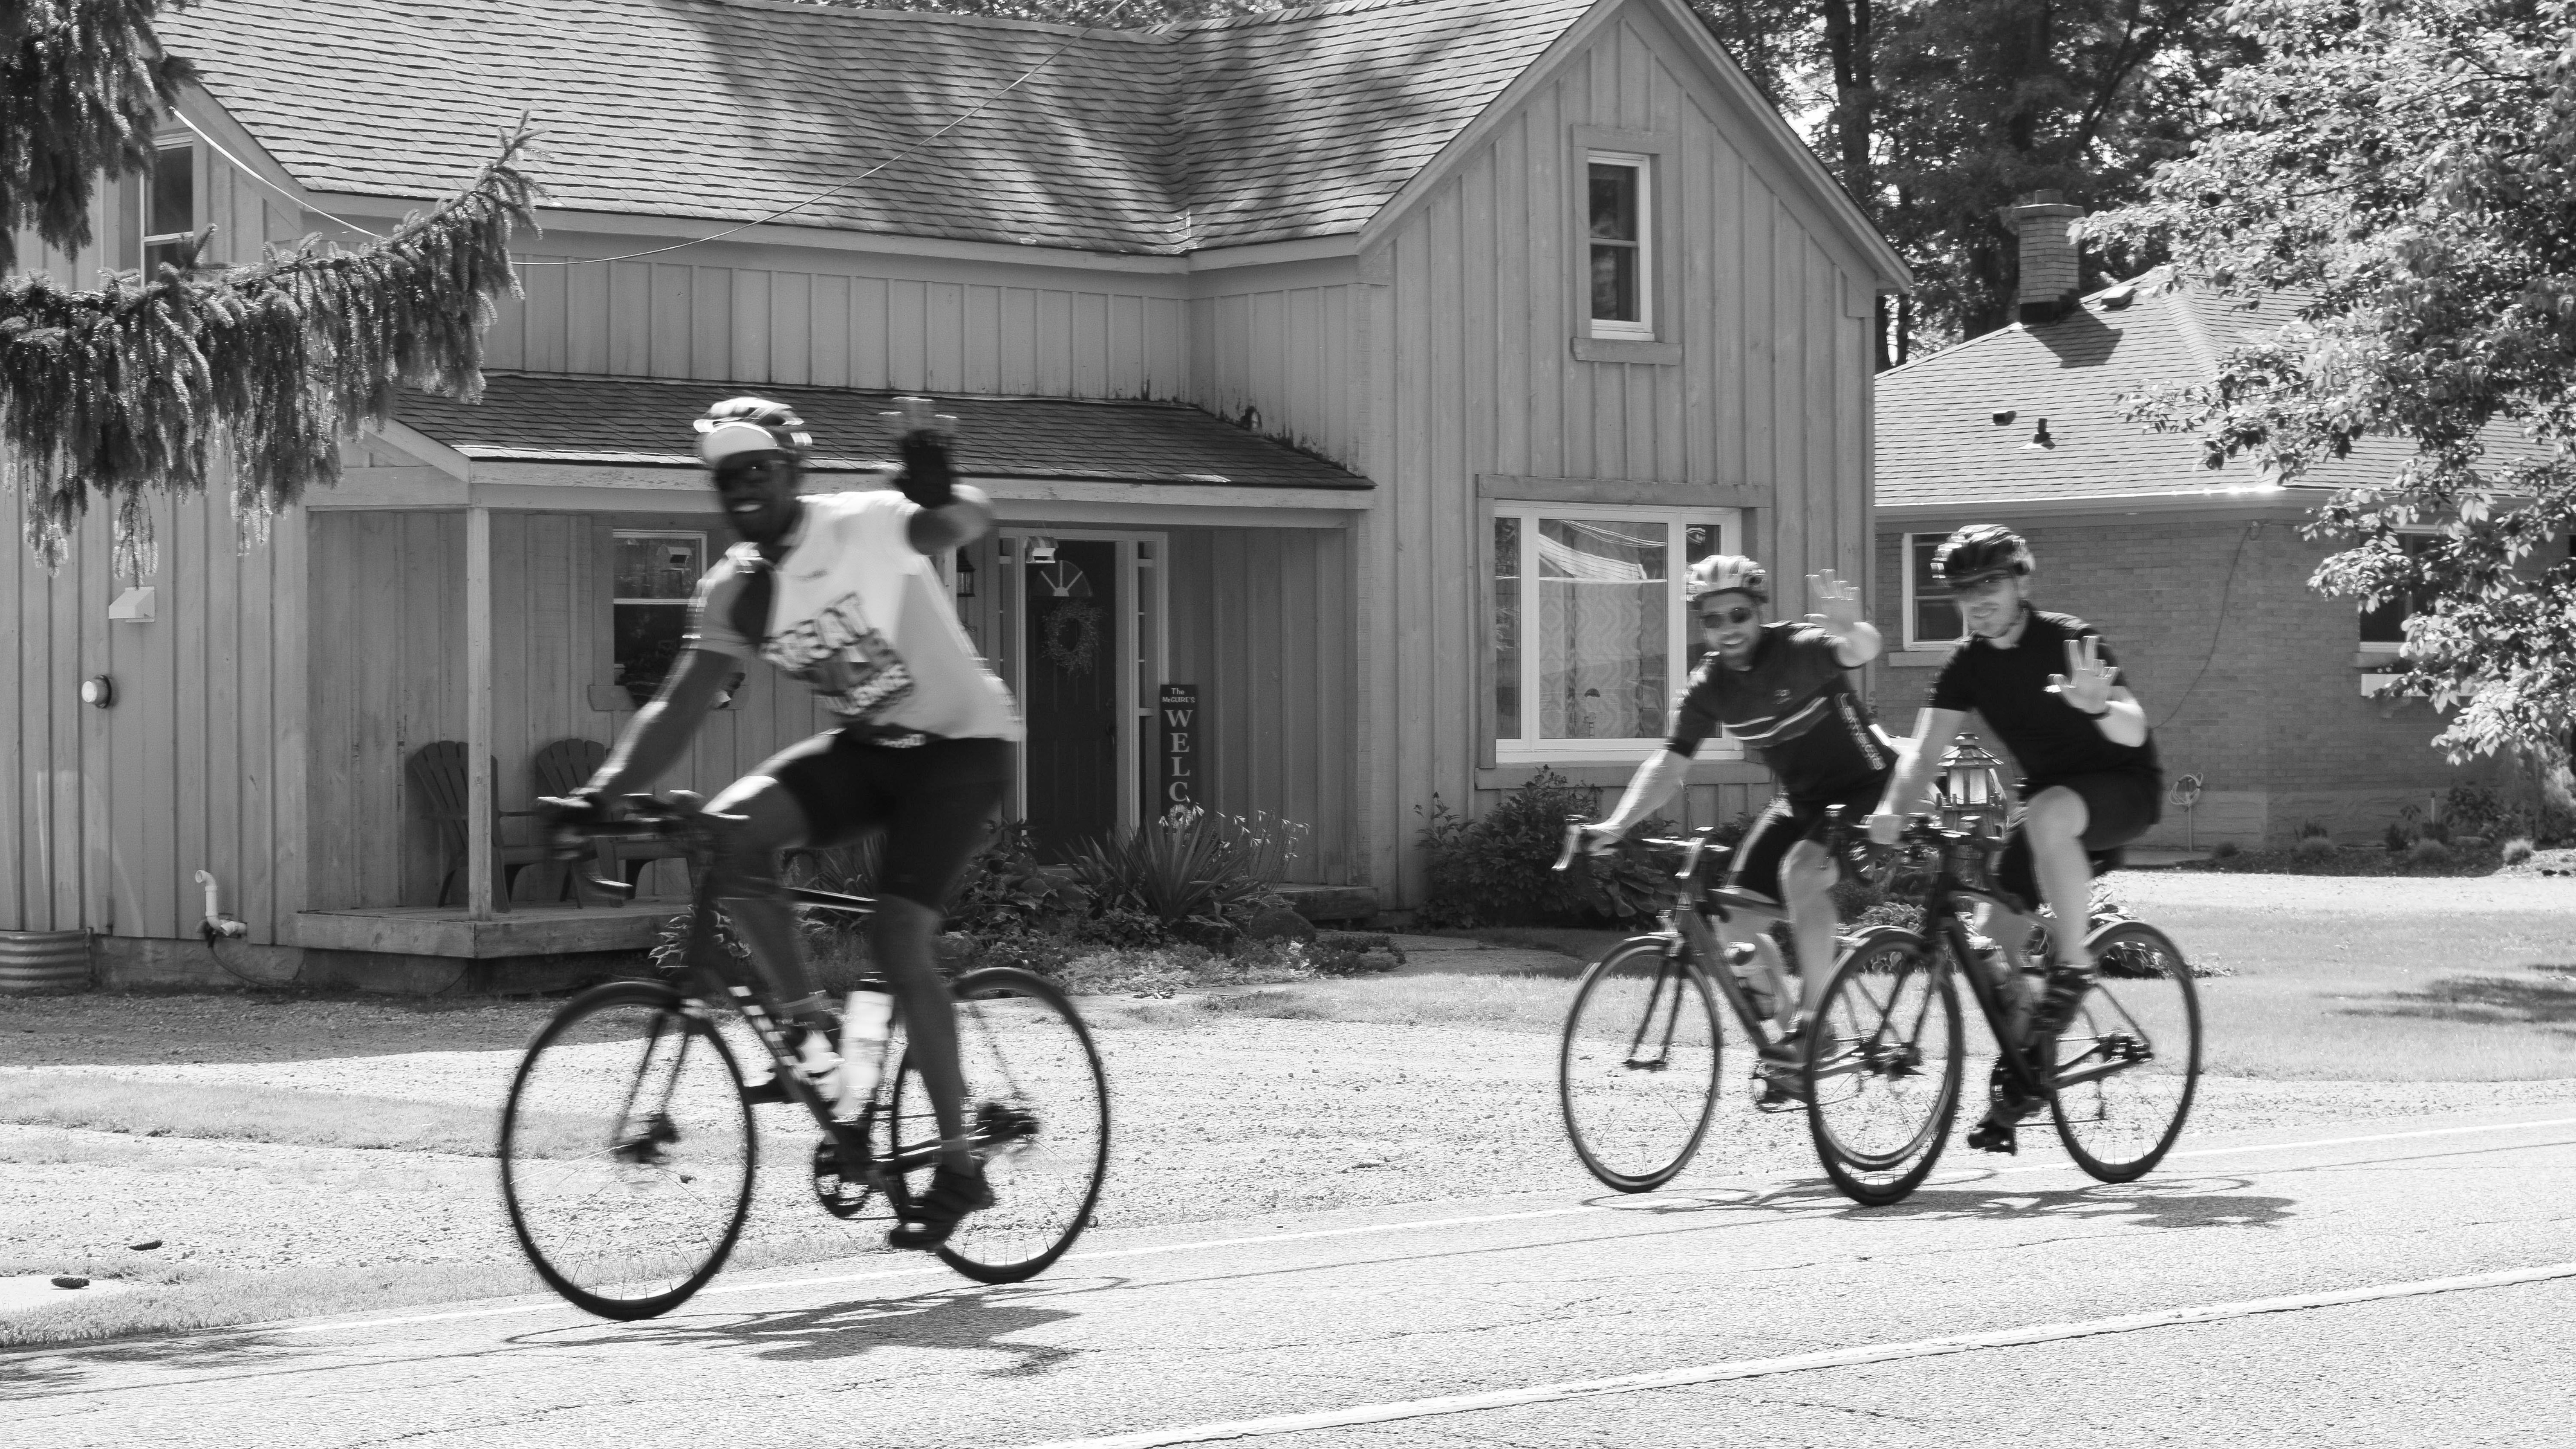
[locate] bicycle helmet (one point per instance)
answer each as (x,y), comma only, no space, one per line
(1728,573)
(749,425)
(1981,551)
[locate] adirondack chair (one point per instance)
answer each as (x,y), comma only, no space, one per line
(566,766)
(438,790)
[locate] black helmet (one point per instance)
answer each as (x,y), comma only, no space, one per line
(751,425)
(1981,551)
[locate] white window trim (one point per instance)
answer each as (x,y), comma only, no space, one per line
(1678,633)
(196,191)
(1905,561)
(2391,648)
(1643,329)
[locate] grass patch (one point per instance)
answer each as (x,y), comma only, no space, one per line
(2351,860)
(1583,943)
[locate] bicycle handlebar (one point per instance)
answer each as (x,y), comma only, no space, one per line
(647,818)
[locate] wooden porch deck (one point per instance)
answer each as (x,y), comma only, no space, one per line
(528,929)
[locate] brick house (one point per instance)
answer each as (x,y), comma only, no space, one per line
(2270,693)
(1374,368)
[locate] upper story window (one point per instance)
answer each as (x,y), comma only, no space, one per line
(1591,636)
(1931,614)
(1621,211)
(2383,629)
(169,207)
(657,574)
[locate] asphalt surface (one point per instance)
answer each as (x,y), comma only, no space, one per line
(2400,1282)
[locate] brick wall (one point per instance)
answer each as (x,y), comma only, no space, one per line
(2261,699)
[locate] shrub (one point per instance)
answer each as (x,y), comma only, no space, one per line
(2517,850)
(1498,869)
(2480,810)
(1188,869)
(2315,847)
(1006,891)
(2396,839)
(2311,830)
(2224,850)
(2428,851)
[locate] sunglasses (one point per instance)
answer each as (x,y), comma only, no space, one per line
(1712,618)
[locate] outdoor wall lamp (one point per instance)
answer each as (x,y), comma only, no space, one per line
(98,691)
(1042,550)
(965,579)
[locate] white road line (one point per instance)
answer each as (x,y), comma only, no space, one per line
(1260,1240)
(1801,1363)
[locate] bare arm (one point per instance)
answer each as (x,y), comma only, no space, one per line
(1662,773)
(1858,647)
(2126,722)
(662,729)
(968,517)
(1934,729)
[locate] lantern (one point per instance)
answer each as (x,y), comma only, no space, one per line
(965,578)
(1971,787)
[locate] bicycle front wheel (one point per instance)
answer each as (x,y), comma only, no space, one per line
(1637,1069)
(1037,1108)
(1883,1065)
(627,1150)
(2128,1065)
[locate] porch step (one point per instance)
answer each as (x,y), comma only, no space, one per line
(1332,902)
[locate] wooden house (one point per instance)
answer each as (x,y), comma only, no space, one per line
(1365,373)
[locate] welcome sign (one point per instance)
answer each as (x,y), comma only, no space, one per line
(1180,740)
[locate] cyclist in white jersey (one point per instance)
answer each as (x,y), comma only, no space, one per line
(838,590)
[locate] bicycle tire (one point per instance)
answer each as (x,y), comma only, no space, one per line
(2119,1125)
(1632,1121)
(612,1214)
(1877,1135)
(1040,1109)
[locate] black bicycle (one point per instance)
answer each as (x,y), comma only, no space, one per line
(1884,1058)
(628,1152)
(1638,1064)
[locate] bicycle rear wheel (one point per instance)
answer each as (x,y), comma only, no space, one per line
(1637,1067)
(1037,1105)
(627,1150)
(1883,1063)
(2128,1065)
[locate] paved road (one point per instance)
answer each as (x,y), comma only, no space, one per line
(2402,1282)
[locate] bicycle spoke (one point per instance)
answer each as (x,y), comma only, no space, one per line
(1883,1069)
(1635,1119)
(2128,1065)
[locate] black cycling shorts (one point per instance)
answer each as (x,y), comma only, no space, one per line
(1786,821)
(2119,806)
(932,800)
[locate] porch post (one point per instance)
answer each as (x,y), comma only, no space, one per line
(478,713)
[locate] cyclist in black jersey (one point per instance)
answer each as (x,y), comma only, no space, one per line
(1779,687)
(837,590)
(2090,780)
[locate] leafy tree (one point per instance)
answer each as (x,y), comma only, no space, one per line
(113,393)
(2406,169)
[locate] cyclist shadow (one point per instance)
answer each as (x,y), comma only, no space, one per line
(2208,1202)
(946,1318)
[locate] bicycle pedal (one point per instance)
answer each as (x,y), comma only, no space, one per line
(1995,1137)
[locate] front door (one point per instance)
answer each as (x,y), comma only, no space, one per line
(1069,676)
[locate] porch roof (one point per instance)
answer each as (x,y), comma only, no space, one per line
(639,422)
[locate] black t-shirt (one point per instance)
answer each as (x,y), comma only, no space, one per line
(2050,738)
(1794,706)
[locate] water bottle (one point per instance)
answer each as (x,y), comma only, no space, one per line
(864,1027)
(1742,958)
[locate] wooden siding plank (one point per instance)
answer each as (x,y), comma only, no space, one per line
(751,325)
(1053,367)
(791,326)
(872,333)
(674,303)
(908,335)
(548,290)
(256,864)
(1090,345)
(630,318)
(290,852)
(831,337)
(711,353)
(17,753)
(184,564)
(1015,341)
(219,687)
(944,339)
(586,311)
(1128,364)
(1167,350)
(1789,399)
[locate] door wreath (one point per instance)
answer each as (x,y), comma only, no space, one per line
(1071,638)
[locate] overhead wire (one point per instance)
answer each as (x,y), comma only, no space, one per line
(253,173)
(2218,632)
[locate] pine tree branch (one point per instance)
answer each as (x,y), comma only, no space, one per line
(82,85)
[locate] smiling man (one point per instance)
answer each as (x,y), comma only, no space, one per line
(1780,688)
(2090,782)
(837,590)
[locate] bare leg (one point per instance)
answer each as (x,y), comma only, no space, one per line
(901,937)
(1807,887)
(2054,826)
(747,886)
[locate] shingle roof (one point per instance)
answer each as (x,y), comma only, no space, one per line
(1938,442)
(1301,122)
(526,417)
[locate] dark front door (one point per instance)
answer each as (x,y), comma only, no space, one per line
(1072,693)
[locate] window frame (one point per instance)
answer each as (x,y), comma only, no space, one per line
(147,239)
(616,600)
(1908,623)
(2391,648)
(1685,653)
(1612,329)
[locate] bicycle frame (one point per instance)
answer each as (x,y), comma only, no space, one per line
(1688,923)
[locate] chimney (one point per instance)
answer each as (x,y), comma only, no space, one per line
(2049,282)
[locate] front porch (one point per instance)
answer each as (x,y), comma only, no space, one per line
(457,933)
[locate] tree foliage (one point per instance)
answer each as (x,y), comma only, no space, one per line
(2407,169)
(82,83)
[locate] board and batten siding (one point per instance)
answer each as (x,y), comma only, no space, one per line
(1285,341)
(1474,308)
(389,677)
(855,320)
(106,815)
